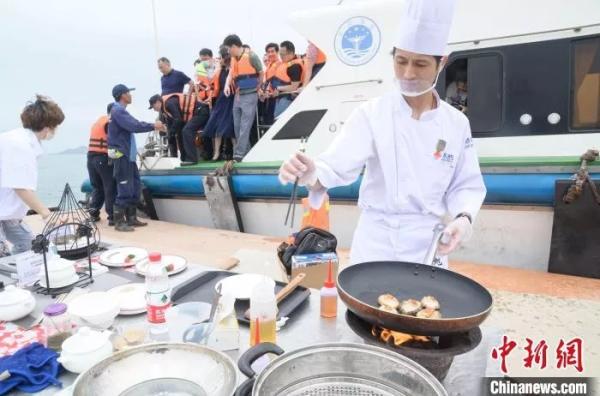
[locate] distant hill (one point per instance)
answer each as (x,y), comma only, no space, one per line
(75,150)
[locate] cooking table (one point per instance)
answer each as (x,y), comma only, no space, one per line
(306,327)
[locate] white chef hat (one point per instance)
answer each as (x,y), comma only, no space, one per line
(425,26)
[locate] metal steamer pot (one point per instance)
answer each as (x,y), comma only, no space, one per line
(160,369)
(336,369)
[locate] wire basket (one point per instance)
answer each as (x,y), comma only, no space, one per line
(71,229)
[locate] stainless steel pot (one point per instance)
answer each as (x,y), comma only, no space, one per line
(336,369)
(160,369)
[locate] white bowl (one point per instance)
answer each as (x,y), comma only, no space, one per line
(61,273)
(15,303)
(97,309)
(84,349)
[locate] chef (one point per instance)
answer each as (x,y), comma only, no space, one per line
(419,162)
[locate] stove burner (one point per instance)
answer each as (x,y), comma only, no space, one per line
(437,358)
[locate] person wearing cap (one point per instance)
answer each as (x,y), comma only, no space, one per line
(417,152)
(122,150)
(20,149)
(100,169)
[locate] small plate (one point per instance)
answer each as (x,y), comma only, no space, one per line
(131,298)
(241,286)
(117,257)
(130,313)
(179,265)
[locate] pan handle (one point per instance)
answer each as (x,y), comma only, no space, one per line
(438,231)
(250,356)
(245,389)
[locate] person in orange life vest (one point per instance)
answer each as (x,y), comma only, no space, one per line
(313,62)
(172,83)
(246,73)
(266,106)
(100,169)
(287,78)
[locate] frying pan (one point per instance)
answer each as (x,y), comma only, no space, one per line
(464,303)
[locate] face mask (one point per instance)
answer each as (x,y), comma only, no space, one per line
(415,88)
(49,135)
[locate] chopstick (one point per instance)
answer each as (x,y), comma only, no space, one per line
(292,202)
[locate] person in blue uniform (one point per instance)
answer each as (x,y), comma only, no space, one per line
(122,150)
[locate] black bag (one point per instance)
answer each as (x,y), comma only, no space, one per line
(307,241)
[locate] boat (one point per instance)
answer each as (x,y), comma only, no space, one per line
(534,108)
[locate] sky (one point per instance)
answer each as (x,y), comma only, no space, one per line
(76,51)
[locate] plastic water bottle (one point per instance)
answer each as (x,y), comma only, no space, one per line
(158,294)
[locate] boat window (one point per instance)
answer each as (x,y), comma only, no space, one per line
(585,80)
(301,124)
(473,85)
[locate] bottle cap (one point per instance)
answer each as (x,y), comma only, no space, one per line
(330,283)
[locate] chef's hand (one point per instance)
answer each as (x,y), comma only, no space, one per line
(457,231)
(298,166)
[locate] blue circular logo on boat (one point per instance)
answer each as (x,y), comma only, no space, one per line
(357,41)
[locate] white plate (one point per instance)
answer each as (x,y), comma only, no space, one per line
(57,285)
(128,313)
(131,298)
(241,286)
(116,257)
(179,264)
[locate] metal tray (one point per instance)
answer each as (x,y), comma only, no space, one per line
(202,288)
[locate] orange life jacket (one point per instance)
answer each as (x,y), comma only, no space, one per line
(281,77)
(203,84)
(98,139)
(187,104)
(271,70)
(215,85)
(316,217)
(244,74)
(321,57)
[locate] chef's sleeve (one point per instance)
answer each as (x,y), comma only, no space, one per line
(467,189)
(344,160)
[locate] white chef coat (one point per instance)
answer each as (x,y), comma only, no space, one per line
(19,152)
(407,186)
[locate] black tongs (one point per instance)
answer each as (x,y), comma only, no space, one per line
(292,203)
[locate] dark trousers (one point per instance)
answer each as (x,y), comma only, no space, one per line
(128,182)
(102,180)
(195,124)
(175,125)
(266,112)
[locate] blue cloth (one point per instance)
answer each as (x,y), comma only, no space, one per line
(31,369)
(174,82)
(220,123)
(121,129)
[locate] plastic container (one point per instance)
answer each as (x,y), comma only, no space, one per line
(329,295)
(263,307)
(158,294)
(57,324)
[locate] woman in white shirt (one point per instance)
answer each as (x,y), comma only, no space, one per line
(19,152)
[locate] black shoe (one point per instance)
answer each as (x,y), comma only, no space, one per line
(94,215)
(188,163)
(111,222)
(120,220)
(132,220)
